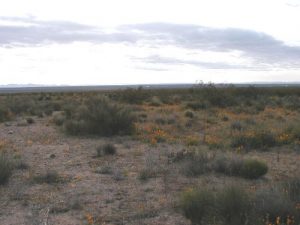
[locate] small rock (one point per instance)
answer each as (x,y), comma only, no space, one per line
(52,156)
(10,132)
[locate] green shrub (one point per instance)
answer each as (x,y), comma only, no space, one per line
(107,149)
(76,127)
(6,168)
(50,177)
(237,166)
(146,173)
(21,165)
(189,114)
(30,120)
(271,204)
(155,101)
(292,188)
(20,104)
(230,206)
(196,164)
(198,205)
(225,118)
(253,169)
(4,113)
(259,140)
(133,95)
(294,131)
(104,170)
(197,105)
(230,166)
(236,125)
(233,205)
(99,116)
(59,117)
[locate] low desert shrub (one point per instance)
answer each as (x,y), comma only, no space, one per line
(253,169)
(30,120)
(20,104)
(225,118)
(146,173)
(197,164)
(155,101)
(58,118)
(198,205)
(292,189)
(192,141)
(19,164)
(256,140)
(4,113)
(271,205)
(152,167)
(104,170)
(237,166)
(133,95)
(236,125)
(6,168)
(197,105)
(230,206)
(294,131)
(233,205)
(99,116)
(229,165)
(189,114)
(107,149)
(50,177)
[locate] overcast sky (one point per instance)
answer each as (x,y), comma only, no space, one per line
(90,42)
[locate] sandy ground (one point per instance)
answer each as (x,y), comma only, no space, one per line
(86,197)
(83,196)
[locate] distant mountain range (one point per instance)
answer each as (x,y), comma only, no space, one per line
(145,85)
(26,85)
(26,88)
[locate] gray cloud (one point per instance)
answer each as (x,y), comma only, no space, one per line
(38,32)
(159,60)
(261,47)
(257,45)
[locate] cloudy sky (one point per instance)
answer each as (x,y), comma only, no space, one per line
(90,42)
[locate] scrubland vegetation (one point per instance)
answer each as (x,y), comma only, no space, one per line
(204,155)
